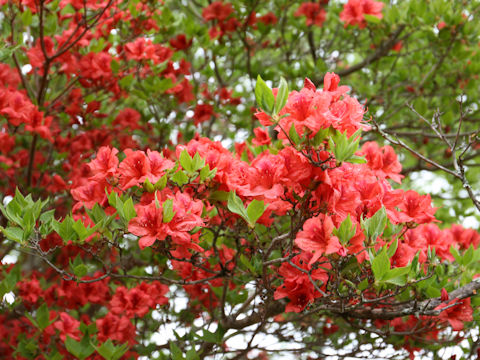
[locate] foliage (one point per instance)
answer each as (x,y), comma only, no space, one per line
(186,179)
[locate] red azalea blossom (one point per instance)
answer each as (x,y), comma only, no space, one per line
(418,207)
(297,285)
(354,10)
(148,225)
(68,326)
(261,137)
(316,237)
(457,314)
(202,113)
(383,161)
(218,10)
(314,14)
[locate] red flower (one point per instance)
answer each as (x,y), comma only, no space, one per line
(383,161)
(139,300)
(354,10)
(30,290)
(117,328)
(397,47)
(464,237)
(418,207)
(9,77)
(68,326)
(148,225)
(40,125)
(158,165)
(261,137)
(297,285)
(105,164)
(180,42)
(444,296)
(128,118)
(217,10)
(264,119)
(134,169)
(268,19)
(315,15)
(457,314)
(317,238)
(203,112)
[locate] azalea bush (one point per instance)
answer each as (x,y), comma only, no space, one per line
(238,179)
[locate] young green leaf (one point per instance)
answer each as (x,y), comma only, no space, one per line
(186,161)
(293,135)
(264,95)
(282,96)
(111,352)
(175,352)
(255,210)
(380,265)
(236,206)
(345,231)
(168,212)
(375,225)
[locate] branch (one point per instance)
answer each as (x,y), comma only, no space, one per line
(381,51)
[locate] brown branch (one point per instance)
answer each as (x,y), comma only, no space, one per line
(381,51)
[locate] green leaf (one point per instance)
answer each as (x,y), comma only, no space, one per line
(197,162)
(117,203)
(380,265)
(375,225)
(48,216)
(293,135)
(43,317)
(13,233)
(180,178)
(372,19)
(161,183)
(320,136)
(82,231)
(186,161)
(247,263)
(468,256)
(147,185)
(80,270)
(282,96)
(396,273)
(264,95)
(219,195)
(192,355)
(255,210)
(209,336)
(345,231)
(111,352)
(13,212)
(392,249)
(456,255)
(126,82)
(168,212)
(236,206)
(204,173)
(344,147)
(129,210)
(175,352)
(27,17)
(66,230)
(399,281)
(363,284)
(80,349)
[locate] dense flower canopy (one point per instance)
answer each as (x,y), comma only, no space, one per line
(160,199)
